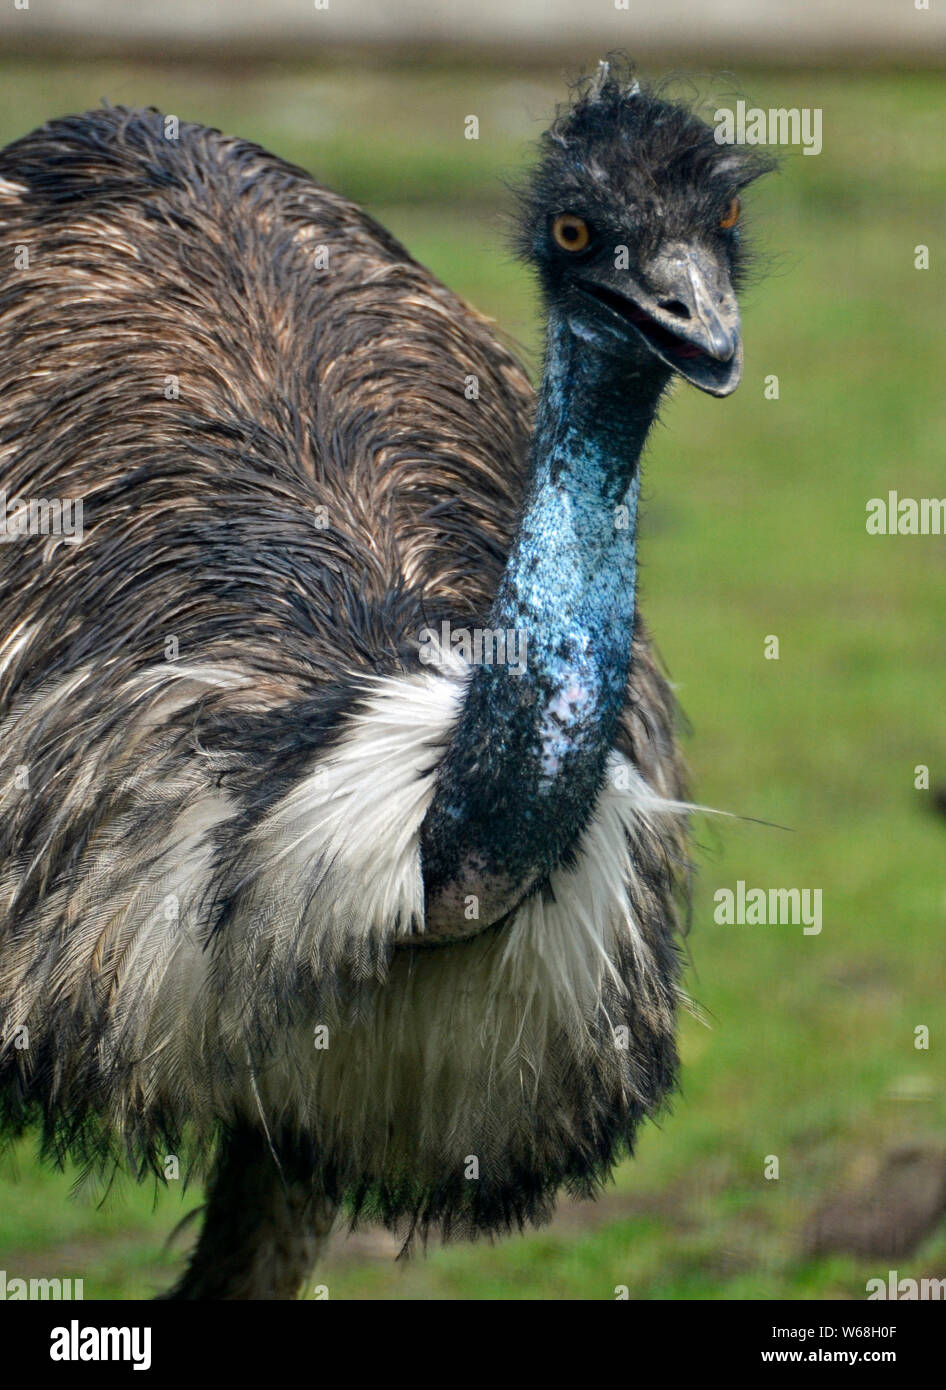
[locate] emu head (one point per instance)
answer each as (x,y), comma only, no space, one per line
(632,218)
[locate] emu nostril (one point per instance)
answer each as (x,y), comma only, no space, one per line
(674,306)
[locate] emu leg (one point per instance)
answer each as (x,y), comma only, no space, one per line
(263,1228)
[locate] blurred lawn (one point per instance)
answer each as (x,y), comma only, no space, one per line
(754,525)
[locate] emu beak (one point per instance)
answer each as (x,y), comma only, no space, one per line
(685,310)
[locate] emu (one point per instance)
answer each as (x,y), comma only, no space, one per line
(348,929)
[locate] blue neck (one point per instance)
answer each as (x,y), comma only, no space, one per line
(521,777)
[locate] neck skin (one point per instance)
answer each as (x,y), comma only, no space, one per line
(528,757)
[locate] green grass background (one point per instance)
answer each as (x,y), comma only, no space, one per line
(753,525)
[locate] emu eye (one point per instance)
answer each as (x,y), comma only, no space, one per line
(570,232)
(732,216)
